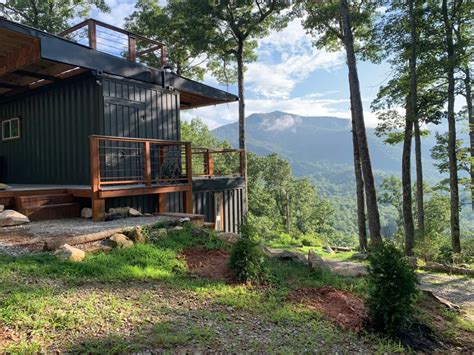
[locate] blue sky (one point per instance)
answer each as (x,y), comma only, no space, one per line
(289,75)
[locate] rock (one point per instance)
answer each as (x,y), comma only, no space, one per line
(175,229)
(138,235)
(2,207)
(4,187)
(316,262)
(118,212)
(228,237)
(284,254)
(121,241)
(69,253)
(159,233)
(412,261)
(343,249)
(200,232)
(132,212)
(462,266)
(184,220)
(86,212)
(360,256)
(12,218)
(329,250)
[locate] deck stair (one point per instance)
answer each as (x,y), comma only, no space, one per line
(51,206)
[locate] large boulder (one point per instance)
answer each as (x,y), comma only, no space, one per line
(228,237)
(121,241)
(138,235)
(86,212)
(315,261)
(69,253)
(12,218)
(119,211)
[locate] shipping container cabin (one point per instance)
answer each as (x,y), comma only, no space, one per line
(84,123)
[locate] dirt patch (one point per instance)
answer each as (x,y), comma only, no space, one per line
(211,264)
(341,307)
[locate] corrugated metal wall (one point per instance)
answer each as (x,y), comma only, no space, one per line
(204,203)
(55,126)
(140,110)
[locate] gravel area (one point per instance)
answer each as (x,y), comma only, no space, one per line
(31,237)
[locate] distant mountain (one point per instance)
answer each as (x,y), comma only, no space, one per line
(320,147)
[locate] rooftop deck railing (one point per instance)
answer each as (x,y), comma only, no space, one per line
(217,162)
(116,41)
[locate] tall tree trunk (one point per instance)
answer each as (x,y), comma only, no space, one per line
(287,212)
(408,225)
(358,117)
(242,140)
(413,102)
(360,193)
(468,85)
(453,166)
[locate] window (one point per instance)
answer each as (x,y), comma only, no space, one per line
(11,129)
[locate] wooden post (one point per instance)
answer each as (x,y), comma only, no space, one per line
(132,48)
(91,27)
(98,204)
(210,163)
(188,195)
(163,205)
(147,164)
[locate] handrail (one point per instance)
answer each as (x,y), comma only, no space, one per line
(132,53)
(118,161)
(208,165)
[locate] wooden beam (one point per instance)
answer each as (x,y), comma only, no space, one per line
(152,190)
(20,58)
(36,75)
(147,164)
(13,87)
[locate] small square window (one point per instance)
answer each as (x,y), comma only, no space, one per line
(11,129)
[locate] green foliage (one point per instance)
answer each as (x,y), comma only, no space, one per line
(392,289)
(246,259)
(49,15)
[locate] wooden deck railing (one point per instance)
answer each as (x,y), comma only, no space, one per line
(118,161)
(217,162)
(116,41)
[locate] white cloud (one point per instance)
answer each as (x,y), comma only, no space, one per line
(281,124)
(119,10)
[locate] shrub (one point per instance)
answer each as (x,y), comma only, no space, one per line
(246,259)
(392,289)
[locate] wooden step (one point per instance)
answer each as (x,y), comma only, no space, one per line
(56,211)
(26,202)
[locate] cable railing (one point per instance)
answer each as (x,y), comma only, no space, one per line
(115,41)
(218,162)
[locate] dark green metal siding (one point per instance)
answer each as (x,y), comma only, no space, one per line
(55,126)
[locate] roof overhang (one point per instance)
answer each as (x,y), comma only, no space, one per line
(30,58)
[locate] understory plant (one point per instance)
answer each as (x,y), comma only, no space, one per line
(392,289)
(247,261)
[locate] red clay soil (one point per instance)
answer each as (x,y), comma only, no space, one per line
(211,264)
(341,307)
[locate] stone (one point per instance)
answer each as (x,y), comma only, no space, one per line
(200,232)
(360,256)
(2,207)
(69,253)
(132,212)
(3,187)
(315,261)
(228,237)
(12,218)
(329,250)
(284,254)
(121,241)
(175,229)
(160,233)
(184,220)
(119,211)
(138,235)
(86,212)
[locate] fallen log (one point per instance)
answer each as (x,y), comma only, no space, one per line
(436,267)
(341,248)
(443,301)
(55,243)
